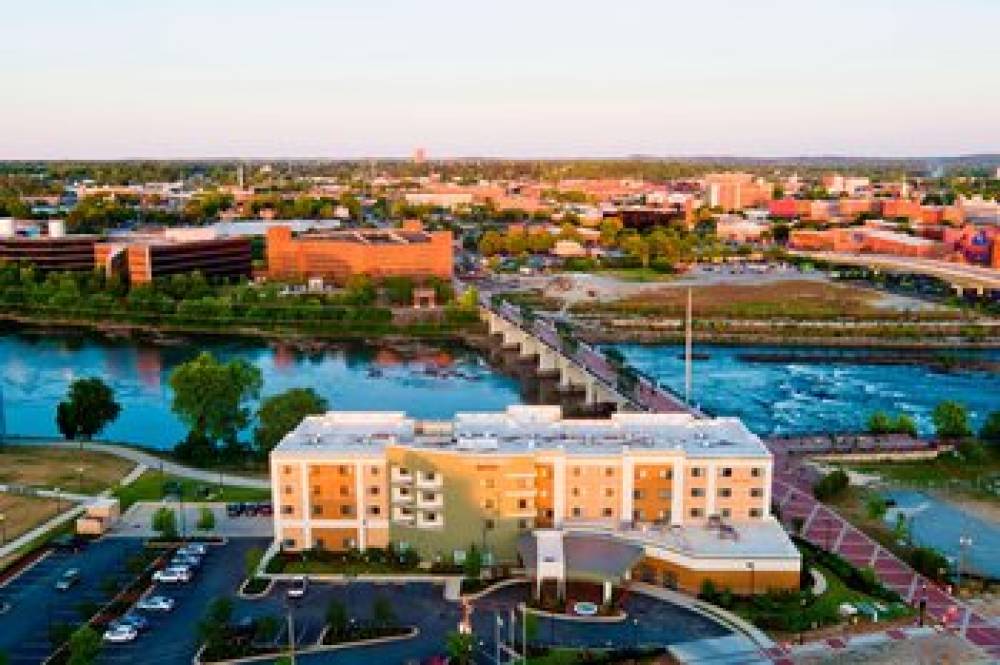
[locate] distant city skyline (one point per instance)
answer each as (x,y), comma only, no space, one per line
(350,79)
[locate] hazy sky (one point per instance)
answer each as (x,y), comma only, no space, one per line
(349,78)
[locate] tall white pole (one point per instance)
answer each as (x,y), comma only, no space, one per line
(687,353)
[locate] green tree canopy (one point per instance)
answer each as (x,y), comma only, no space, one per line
(460,647)
(280,414)
(84,645)
(210,396)
(990,431)
(951,420)
(89,407)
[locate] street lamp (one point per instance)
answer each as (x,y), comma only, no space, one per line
(496,637)
(58,502)
(964,542)
(79,478)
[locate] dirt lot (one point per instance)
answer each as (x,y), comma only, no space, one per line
(21,513)
(57,467)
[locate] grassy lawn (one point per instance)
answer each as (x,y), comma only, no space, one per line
(22,513)
(936,473)
(59,467)
(642,275)
(795,299)
(149,487)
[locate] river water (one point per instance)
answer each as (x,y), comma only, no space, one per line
(36,368)
(801,397)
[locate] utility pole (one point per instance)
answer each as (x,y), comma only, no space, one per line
(687,353)
(291,635)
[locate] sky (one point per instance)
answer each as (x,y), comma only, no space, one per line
(335,79)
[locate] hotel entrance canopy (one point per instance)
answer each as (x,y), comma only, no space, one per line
(585,556)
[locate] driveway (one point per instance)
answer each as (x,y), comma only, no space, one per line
(35,604)
(138,519)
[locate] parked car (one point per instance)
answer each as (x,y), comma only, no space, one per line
(120,633)
(137,621)
(155,604)
(197,549)
(185,561)
(234,509)
(250,509)
(69,578)
(173,575)
(298,587)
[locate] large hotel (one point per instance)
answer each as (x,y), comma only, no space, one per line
(664,498)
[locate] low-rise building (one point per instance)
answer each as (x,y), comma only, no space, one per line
(687,499)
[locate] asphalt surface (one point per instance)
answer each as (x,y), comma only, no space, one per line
(35,603)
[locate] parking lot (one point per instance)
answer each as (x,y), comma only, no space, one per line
(137,521)
(35,603)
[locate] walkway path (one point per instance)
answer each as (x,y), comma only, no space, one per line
(826,529)
(152,461)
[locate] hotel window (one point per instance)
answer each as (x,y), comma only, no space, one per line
(666,474)
(522,483)
(429,476)
(575,491)
(374,511)
(345,490)
(489,504)
(430,517)
(489,525)
(640,473)
(609,492)
(286,470)
(543,472)
(637,494)
(346,511)
(550,513)
(696,512)
(664,516)
(320,544)
(756,492)
(609,471)
(404,491)
(403,471)
(523,524)
(725,492)
(374,490)
(317,511)
(543,493)
(349,543)
(288,542)
(697,492)
(522,504)
(757,472)
(288,489)
(726,472)
(637,515)
(489,483)
(696,472)
(287,510)
(430,496)
(755,513)
(375,470)
(725,512)
(664,494)
(608,512)
(343,470)
(576,471)
(576,511)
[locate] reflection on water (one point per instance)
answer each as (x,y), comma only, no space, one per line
(792,397)
(35,370)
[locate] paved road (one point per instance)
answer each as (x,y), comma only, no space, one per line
(151,461)
(965,275)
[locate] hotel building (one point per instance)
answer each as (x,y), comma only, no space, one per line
(666,498)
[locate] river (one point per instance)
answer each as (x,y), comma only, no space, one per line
(36,368)
(807,397)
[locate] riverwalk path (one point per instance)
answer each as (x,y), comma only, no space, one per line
(825,528)
(151,461)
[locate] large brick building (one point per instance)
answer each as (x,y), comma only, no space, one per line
(736,191)
(409,251)
(680,499)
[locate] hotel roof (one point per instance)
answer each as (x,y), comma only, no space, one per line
(524,429)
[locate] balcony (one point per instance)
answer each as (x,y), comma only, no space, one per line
(430,500)
(429,481)
(400,475)
(402,495)
(401,516)
(430,520)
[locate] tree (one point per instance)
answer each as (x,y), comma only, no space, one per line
(336,618)
(89,407)
(280,414)
(206,519)
(473,564)
(876,507)
(460,647)
(990,431)
(831,485)
(209,396)
(879,423)
(951,420)
(84,645)
(164,522)
(383,616)
(251,561)
(904,424)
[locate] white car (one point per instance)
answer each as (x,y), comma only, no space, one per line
(155,604)
(193,549)
(121,633)
(173,574)
(298,587)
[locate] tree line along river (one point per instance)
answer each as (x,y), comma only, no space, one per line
(772,397)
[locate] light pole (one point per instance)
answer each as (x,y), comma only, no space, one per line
(291,632)
(964,542)
(496,638)
(79,479)
(58,501)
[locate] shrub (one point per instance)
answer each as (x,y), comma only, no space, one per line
(951,420)
(831,485)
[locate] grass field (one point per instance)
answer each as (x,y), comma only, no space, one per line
(149,487)
(22,513)
(796,299)
(38,466)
